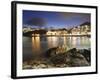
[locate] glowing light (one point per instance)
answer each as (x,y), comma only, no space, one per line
(36,43)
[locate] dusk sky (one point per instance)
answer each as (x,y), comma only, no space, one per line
(54,19)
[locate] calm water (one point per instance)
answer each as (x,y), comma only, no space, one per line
(38,45)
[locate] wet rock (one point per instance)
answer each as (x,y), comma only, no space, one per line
(71,58)
(61,65)
(58,59)
(27,67)
(42,66)
(86,53)
(39,66)
(50,52)
(50,65)
(77,60)
(56,50)
(73,51)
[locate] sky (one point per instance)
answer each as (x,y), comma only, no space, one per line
(54,19)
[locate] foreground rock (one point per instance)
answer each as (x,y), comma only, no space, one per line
(76,60)
(71,58)
(86,53)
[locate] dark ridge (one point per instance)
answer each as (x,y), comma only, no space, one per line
(85,23)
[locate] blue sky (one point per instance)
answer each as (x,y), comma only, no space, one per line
(56,19)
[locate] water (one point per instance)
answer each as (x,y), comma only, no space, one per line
(38,45)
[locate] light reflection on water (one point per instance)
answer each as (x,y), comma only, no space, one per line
(38,45)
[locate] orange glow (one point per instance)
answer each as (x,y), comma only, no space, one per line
(74,41)
(36,43)
(52,42)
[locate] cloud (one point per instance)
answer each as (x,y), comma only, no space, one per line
(37,21)
(70,15)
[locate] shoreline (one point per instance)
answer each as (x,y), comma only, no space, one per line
(59,36)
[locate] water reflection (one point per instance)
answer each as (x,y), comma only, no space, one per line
(52,42)
(38,45)
(65,41)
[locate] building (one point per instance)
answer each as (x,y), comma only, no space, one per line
(85,28)
(56,32)
(75,30)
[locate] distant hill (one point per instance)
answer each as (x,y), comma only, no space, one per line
(85,23)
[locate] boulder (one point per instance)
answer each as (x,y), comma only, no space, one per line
(58,59)
(86,53)
(76,60)
(72,51)
(50,52)
(27,67)
(70,58)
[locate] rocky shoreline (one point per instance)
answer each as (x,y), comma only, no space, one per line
(54,57)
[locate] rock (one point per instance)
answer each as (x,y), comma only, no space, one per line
(73,51)
(27,67)
(50,52)
(56,50)
(39,66)
(70,58)
(58,59)
(78,60)
(50,65)
(75,59)
(86,53)
(61,65)
(34,67)
(43,65)
(82,62)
